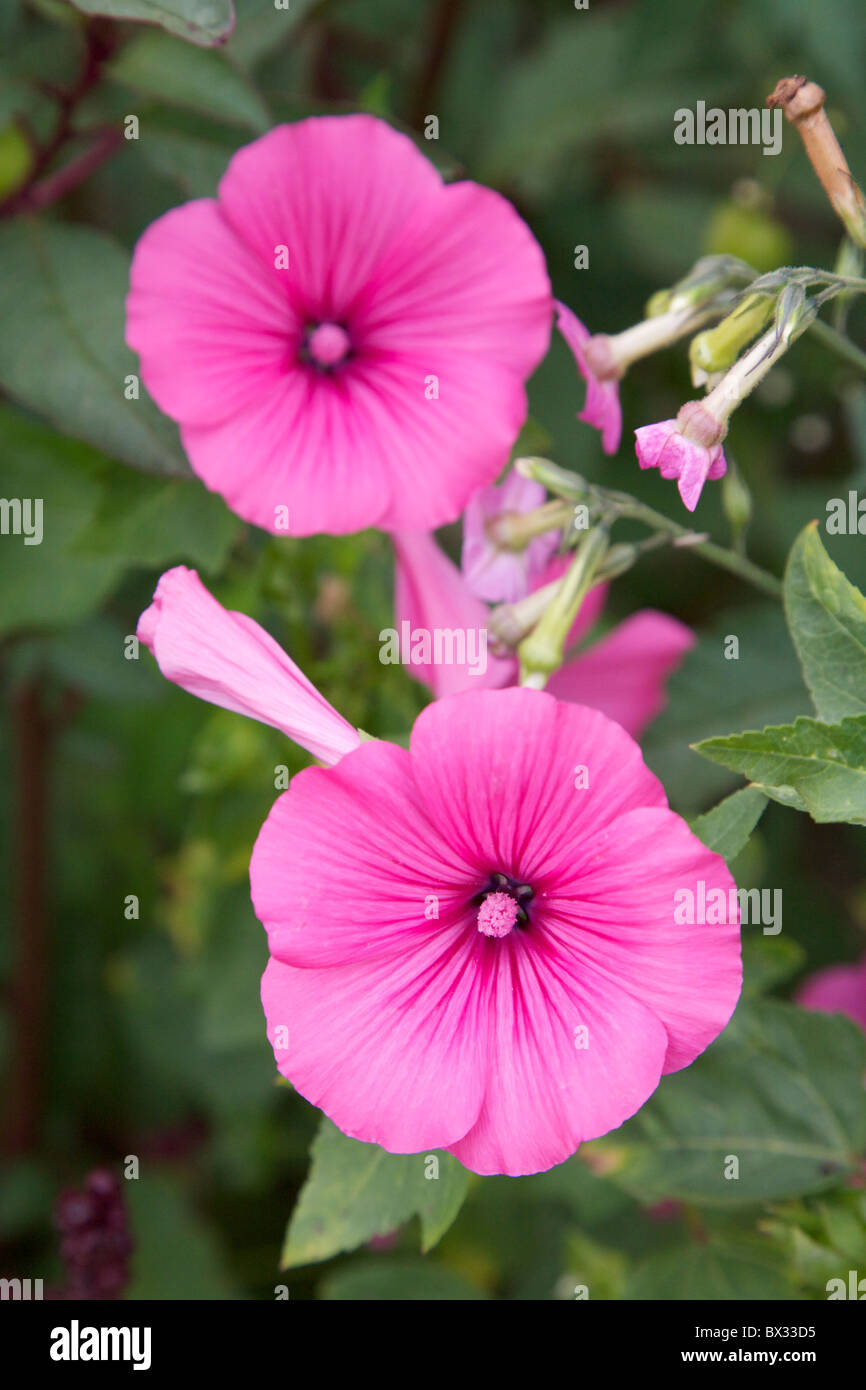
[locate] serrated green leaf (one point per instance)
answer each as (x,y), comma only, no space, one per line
(827,618)
(781,1091)
(62,350)
(815,767)
(728,826)
(355,1191)
(204,80)
(201,21)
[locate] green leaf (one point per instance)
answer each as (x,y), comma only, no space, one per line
(728,826)
(62,351)
(193,164)
(355,1191)
(202,79)
(51,583)
(814,767)
(709,695)
(399,1281)
(708,1272)
(768,961)
(145,521)
(261,28)
(827,618)
(201,21)
(781,1091)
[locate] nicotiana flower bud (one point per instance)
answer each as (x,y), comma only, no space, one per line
(716,349)
(602,359)
(229,660)
(689,448)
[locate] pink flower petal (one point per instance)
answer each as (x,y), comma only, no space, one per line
(365,447)
(431,593)
(495,806)
(602,409)
(228,660)
(493,573)
(616,915)
(372,1043)
(392,861)
(838,989)
(545,1095)
(336,191)
(213,325)
(624,674)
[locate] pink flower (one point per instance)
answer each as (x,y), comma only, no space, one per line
(688,448)
(473,943)
(839,989)
(342,339)
(623,674)
(229,660)
(491,571)
(601,373)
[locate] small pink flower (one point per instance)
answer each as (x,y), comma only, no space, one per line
(342,339)
(600,372)
(473,948)
(688,448)
(228,660)
(491,571)
(839,989)
(623,674)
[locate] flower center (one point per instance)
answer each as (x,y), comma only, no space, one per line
(502,905)
(327,344)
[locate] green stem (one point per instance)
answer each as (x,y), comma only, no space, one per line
(611,505)
(838,343)
(542,651)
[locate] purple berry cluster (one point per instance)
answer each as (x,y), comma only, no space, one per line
(95,1240)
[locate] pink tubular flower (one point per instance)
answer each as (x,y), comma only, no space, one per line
(839,989)
(229,660)
(601,374)
(491,571)
(342,339)
(623,674)
(473,943)
(688,448)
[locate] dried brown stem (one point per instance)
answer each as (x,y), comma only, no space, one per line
(803,104)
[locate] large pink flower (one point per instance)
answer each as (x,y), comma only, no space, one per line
(473,943)
(342,338)
(623,674)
